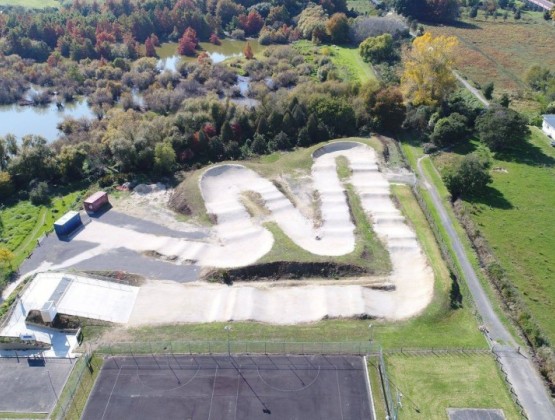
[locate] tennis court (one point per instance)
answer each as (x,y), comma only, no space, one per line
(237,387)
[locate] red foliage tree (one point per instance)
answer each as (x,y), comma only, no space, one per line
(155,40)
(247,52)
(215,40)
(252,23)
(188,42)
(150,51)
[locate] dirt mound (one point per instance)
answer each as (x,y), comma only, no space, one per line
(178,201)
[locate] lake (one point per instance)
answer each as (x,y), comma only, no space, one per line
(169,59)
(41,120)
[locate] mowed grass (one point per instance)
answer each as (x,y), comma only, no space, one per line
(431,384)
(362,7)
(502,51)
(347,60)
(516,216)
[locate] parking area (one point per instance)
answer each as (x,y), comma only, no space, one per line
(32,385)
(223,387)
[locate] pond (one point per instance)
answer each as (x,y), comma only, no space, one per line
(41,120)
(169,59)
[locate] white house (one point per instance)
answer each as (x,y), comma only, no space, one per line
(548,125)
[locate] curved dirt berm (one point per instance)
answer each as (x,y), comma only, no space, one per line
(240,241)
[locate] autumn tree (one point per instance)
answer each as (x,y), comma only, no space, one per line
(337,27)
(6,258)
(247,52)
(150,51)
(427,77)
(188,42)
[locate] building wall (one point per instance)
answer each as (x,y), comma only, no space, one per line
(549,130)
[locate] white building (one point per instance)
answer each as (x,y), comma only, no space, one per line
(548,125)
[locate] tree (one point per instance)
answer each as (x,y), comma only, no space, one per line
(435,10)
(376,49)
(388,109)
(247,52)
(501,128)
(450,130)
(427,78)
(40,194)
(468,177)
(337,27)
(488,90)
(6,185)
(188,42)
(6,257)
(150,51)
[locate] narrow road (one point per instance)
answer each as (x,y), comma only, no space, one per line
(521,373)
(471,89)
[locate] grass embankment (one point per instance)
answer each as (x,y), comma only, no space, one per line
(502,52)
(515,215)
(78,388)
(431,384)
(22,223)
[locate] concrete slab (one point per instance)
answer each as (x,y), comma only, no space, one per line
(475,414)
(32,387)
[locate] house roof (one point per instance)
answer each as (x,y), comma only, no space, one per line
(550,119)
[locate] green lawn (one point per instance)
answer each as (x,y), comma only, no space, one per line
(362,7)
(350,65)
(431,384)
(516,216)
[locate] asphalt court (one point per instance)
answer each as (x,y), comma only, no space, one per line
(236,387)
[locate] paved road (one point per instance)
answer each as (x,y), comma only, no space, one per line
(472,89)
(547,5)
(521,373)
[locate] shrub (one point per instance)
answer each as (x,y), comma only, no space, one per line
(469,177)
(40,194)
(449,130)
(377,49)
(501,128)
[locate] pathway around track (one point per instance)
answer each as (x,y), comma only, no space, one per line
(521,373)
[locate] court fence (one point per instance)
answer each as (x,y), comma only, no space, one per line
(236,347)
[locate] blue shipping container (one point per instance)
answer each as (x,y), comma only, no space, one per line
(67,223)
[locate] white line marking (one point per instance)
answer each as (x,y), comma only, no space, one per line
(111,393)
(237,397)
(213,389)
(339,393)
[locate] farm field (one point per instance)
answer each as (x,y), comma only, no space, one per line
(31,4)
(430,384)
(515,215)
(502,52)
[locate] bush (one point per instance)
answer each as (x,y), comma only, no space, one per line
(501,128)
(469,177)
(377,49)
(40,194)
(450,130)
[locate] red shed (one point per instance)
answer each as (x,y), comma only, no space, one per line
(96,201)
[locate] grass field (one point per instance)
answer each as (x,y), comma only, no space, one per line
(31,4)
(516,217)
(363,7)
(502,52)
(431,384)
(350,65)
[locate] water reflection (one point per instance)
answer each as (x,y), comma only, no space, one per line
(39,120)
